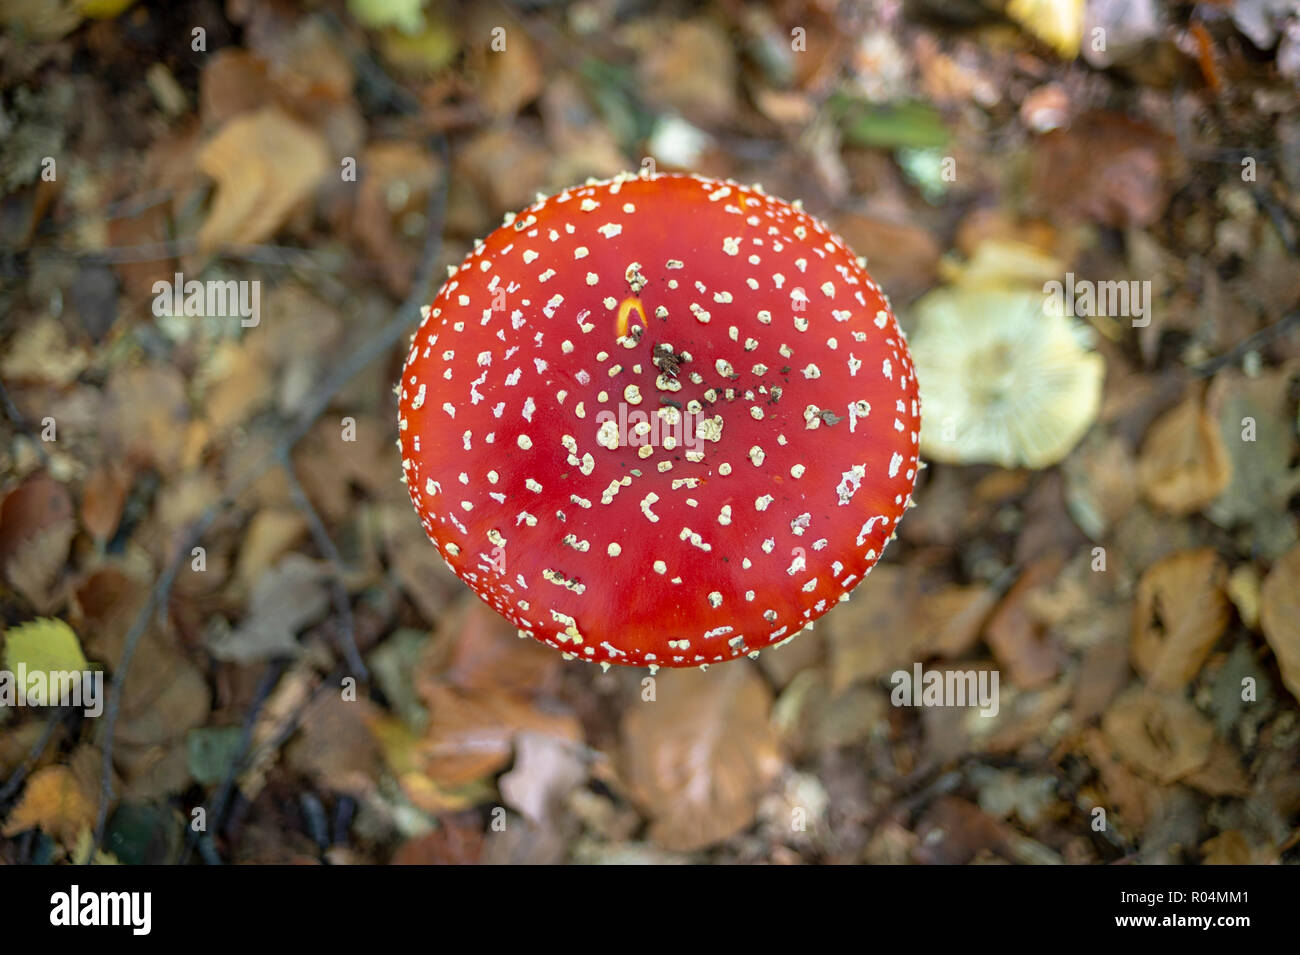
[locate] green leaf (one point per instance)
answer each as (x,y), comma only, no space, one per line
(209,752)
(45,645)
(914,125)
(405,15)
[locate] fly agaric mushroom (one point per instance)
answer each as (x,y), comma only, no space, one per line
(660,420)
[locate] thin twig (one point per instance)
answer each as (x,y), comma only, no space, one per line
(269,679)
(33,755)
(1248,344)
(325,544)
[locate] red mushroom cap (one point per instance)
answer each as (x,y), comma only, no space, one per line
(660,420)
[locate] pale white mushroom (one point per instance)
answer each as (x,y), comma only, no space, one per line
(1004,379)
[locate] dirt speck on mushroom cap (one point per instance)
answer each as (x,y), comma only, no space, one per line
(660,421)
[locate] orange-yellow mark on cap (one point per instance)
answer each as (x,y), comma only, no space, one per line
(625,307)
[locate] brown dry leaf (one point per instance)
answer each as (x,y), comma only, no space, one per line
(507,165)
(458,840)
(471,732)
(1163,736)
(165,697)
(1132,795)
(509,79)
(1103,672)
(1279,616)
(268,536)
(265,163)
(40,352)
(105,605)
(1233,848)
(487,653)
(37,503)
(1183,465)
(687,66)
(335,746)
(899,616)
(903,258)
(1105,167)
(700,755)
(1020,641)
(61,800)
(37,566)
(233,81)
(236,386)
(36,530)
(1180,612)
(145,417)
(1222,774)
(1100,483)
(954,832)
(102,498)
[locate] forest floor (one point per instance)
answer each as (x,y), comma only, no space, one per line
(209,512)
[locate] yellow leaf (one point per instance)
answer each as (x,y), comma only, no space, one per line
(103,9)
(81,850)
(55,800)
(45,645)
(1058,23)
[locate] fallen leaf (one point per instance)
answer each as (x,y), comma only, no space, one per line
(1183,464)
(903,256)
(265,163)
(687,66)
(955,832)
(509,78)
(1279,616)
(898,616)
(1105,167)
(1180,612)
(546,770)
(1100,483)
(458,840)
(1019,640)
(39,351)
(700,755)
(283,602)
(61,800)
(268,537)
(1233,848)
(45,645)
(335,746)
(211,751)
(487,653)
(1058,23)
(145,416)
(1163,736)
(102,499)
(472,732)
(1259,436)
(1222,774)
